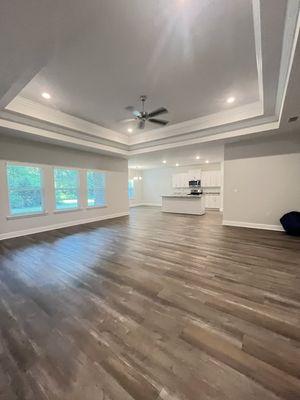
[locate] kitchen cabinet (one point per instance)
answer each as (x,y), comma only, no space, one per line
(212,201)
(194,174)
(181,180)
(211,178)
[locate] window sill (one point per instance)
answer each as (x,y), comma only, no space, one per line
(95,207)
(67,210)
(18,216)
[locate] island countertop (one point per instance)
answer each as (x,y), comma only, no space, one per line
(183,204)
(183,196)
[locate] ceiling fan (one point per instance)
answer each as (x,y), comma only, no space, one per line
(143,116)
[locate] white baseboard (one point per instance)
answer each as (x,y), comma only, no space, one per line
(146,204)
(136,205)
(253,225)
(152,204)
(46,228)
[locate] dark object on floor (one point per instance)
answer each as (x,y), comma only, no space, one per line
(291,223)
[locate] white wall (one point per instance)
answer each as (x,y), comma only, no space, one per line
(261,181)
(15,149)
(138,187)
(158,181)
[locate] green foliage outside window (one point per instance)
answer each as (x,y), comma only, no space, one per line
(96,188)
(25,189)
(66,183)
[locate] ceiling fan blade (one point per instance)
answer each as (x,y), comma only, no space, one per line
(123,121)
(161,110)
(129,108)
(136,113)
(158,121)
(141,124)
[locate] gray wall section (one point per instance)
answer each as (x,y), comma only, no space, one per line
(19,150)
(262,180)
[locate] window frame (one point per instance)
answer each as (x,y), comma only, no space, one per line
(79,200)
(87,189)
(42,189)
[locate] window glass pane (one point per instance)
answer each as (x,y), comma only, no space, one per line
(131,189)
(24,189)
(66,183)
(96,188)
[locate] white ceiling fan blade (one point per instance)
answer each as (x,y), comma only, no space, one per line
(124,121)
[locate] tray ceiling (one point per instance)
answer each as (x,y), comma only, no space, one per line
(96,57)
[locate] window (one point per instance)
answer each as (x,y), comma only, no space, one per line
(131,189)
(95,188)
(66,184)
(25,189)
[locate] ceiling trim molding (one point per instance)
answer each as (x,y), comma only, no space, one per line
(220,136)
(258,49)
(213,120)
(46,114)
(290,38)
(58,137)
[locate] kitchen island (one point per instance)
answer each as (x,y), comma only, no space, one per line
(183,204)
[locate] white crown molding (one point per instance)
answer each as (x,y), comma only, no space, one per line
(243,224)
(209,138)
(60,138)
(46,228)
(209,121)
(258,50)
(46,114)
(290,38)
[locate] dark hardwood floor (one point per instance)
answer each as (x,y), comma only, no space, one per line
(154,306)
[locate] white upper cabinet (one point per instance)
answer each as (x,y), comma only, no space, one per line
(211,179)
(180,180)
(194,174)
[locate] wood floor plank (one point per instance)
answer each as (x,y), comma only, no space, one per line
(272,378)
(152,306)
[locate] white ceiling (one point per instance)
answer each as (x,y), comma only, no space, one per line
(182,54)
(96,57)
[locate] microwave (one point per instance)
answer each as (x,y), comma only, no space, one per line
(195,183)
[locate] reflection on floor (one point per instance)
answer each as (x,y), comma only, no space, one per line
(154,306)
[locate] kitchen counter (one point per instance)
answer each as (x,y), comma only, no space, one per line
(183,204)
(185,196)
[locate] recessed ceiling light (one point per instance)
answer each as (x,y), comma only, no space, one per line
(46,95)
(177,165)
(198,158)
(164,162)
(129,130)
(207,161)
(230,99)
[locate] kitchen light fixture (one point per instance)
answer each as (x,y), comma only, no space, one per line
(164,162)
(46,95)
(135,178)
(177,165)
(140,178)
(129,130)
(230,99)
